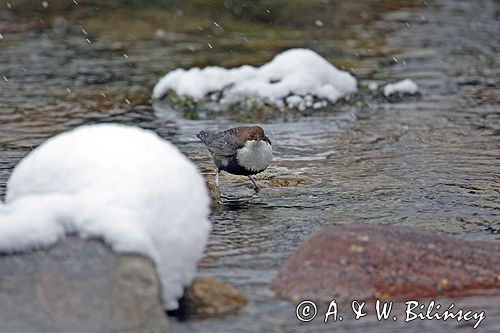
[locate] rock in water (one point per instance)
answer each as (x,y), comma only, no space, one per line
(366,262)
(79,286)
(208,297)
(120,183)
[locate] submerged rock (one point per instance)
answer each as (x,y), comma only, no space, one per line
(79,286)
(286,181)
(349,262)
(208,297)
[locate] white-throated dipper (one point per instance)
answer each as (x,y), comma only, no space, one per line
(243,150)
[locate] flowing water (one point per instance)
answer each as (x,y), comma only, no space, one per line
(428,161)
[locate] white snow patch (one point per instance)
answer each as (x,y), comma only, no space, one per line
(372,85)
(319,105)
(405,86)
(319,23)
(293,73)
(160,33)
(294,101)
(121,183)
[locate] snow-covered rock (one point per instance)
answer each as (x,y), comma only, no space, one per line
(293,74)
(406,86)
(123,184)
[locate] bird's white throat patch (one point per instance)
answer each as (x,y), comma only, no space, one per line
(255,155)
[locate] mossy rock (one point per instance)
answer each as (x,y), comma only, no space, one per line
(286,182)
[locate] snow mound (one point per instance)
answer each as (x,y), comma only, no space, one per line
(123,184)
(292,75)
(406,86)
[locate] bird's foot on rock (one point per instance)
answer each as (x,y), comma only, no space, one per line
(256,187)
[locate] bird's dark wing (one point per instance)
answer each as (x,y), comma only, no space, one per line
(224,143)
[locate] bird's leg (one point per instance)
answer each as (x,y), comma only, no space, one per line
(256,188)
(217,178)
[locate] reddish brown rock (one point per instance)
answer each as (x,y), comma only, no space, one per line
(349,262)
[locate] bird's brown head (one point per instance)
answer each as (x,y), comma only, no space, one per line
(252,133)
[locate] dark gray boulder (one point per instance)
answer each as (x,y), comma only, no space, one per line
(79,286)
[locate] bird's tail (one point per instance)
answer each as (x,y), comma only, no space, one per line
(202,135)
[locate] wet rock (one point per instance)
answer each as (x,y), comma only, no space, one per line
(208,297)
(286,182)
(349,262)
(213,192)
(79,286)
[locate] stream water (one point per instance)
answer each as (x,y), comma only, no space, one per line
(428,161)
